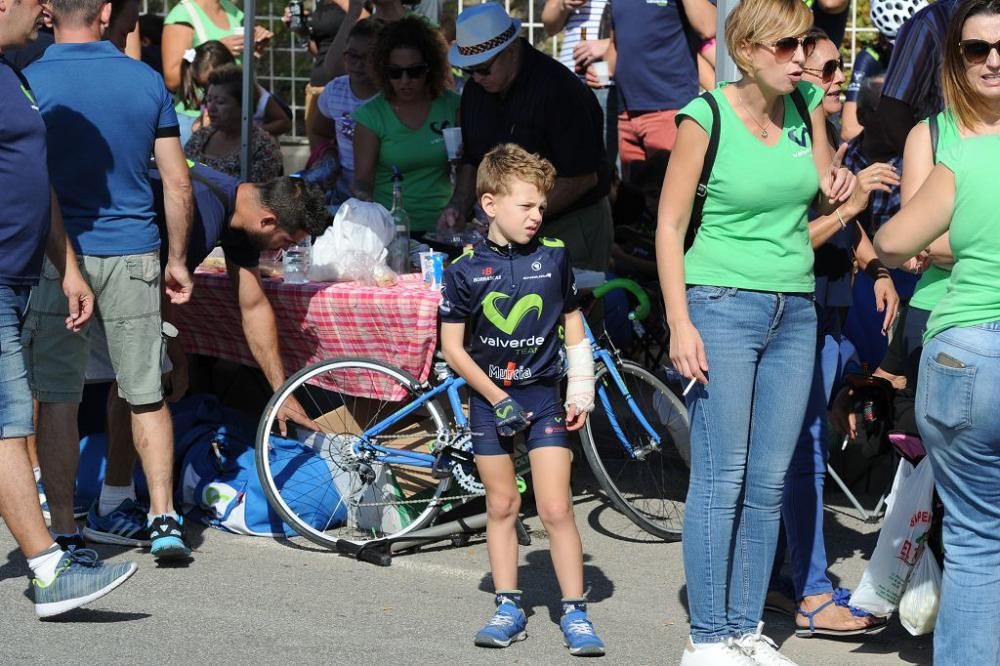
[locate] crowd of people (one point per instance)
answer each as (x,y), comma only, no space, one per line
(797,219)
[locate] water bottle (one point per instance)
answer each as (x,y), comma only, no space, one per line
(296,262)
(399,248)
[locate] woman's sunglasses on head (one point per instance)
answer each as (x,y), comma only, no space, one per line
(977,51)
(784,48)
(827,71)
(412,72)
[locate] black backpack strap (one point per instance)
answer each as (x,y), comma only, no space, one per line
(800,105)
(935,129)
(706,172)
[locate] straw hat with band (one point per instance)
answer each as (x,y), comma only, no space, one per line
(482,31)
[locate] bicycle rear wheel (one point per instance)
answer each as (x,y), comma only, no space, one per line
(363,473)
(646,482)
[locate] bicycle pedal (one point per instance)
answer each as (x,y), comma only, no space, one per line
(449,456)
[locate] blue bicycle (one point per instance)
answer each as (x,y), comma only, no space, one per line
(399,451)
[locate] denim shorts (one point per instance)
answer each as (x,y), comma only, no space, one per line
(127,295)
(15,395)
(548,422)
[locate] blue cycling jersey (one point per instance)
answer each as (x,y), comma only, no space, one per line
(513,298)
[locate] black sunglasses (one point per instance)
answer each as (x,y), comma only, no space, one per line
(977,51)
(411,72)
(784,48)
(481,70)
(827,71)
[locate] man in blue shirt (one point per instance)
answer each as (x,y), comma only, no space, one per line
(105,115)
(657,73)
(245,218)
(60,580)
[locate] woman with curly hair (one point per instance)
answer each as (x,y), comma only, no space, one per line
(401,126)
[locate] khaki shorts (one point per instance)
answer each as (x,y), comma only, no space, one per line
(127,292)
(588,234)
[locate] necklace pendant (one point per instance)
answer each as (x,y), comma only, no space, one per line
(763,134)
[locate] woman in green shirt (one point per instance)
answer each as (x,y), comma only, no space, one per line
(402,126)
(959,387)
(741,314)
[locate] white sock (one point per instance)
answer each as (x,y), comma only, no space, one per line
(173,515)
(44,564)
(113,496)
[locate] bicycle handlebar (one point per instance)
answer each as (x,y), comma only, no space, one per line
(641,310)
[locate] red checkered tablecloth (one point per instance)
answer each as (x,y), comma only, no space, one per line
(319,320)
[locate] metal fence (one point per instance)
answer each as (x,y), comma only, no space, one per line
(284,68)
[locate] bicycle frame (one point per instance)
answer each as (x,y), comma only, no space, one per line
(451,386)
(604,356)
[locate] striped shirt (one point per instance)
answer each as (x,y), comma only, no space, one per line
(589,17)
(337,102)
(914,71)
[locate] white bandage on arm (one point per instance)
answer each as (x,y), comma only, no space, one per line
(580,376)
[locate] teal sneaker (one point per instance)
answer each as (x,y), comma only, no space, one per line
(80,578)
(125,526)
(166,538)
(505,627)
(578,633)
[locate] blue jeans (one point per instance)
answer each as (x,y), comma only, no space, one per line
(761,349)
(960,425)
(802,506)
(16,418)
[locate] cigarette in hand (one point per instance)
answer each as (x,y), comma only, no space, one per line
(687,389)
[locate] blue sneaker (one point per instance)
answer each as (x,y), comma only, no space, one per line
(166,536)
(80,579)
(125,526)
(506,626)
(78,510)
(579,635)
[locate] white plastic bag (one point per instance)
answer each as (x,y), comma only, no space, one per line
(903,534)
(918,609)
(354,247)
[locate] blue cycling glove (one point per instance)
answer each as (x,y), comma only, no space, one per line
(511,418)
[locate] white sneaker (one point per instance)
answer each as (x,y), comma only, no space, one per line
(725,653)
(762,650)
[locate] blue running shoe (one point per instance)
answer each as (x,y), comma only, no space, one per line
(78,511)
(80,578)
(579,634)
(506,626)
(166,536)
(125,526)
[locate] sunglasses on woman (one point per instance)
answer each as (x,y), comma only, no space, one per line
(827,71)
(977,51)
(784,48)
(411,72)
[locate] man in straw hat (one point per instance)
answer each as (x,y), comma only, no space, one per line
(519,95)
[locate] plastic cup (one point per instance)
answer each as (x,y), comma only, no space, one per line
(453,141)
(432,268)
(602,72)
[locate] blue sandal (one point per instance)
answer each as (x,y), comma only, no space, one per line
(841,598)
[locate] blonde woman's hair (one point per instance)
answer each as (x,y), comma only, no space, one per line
(959,95)
(755,22)
(508,162)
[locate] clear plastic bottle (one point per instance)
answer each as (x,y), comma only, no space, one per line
(399,248)
(295,263)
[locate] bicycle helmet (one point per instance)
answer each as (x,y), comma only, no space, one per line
(889,15)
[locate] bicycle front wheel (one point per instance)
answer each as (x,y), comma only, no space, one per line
(360,471)
(644,477)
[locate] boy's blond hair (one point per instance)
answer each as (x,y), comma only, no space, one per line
(509,161)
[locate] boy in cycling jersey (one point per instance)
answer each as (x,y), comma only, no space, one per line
(516,293)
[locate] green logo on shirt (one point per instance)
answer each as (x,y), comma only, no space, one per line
(31,98)
(508,323)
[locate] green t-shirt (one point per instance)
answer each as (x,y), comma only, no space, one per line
(754,232)
(932,284)
(972,296)
(419,153)
(188,12)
